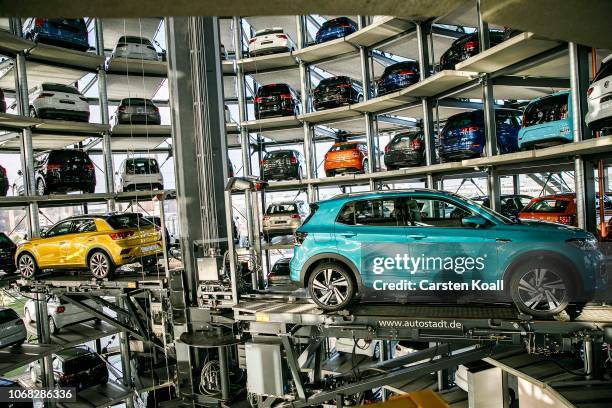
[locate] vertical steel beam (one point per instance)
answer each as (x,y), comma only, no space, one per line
(124,349)
(224,374)
(368,117)
(43,333)
(245,146)
(27,151)
(583,169)
(107,152)
(422,31)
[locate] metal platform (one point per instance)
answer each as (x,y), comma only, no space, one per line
(137,67)
(228,67)
(122,281)
(142,130)
(283,60)
(77,199)
(330,49)
(39,72)
(132,86)
(272,123)
(380,31)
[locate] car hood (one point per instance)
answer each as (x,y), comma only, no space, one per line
(545,226)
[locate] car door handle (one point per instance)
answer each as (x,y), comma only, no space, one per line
(63,242)
(503,240)
(417,236)
(348,234)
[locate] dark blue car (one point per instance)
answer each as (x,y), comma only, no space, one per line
(463,136)
(335,28)
(63,32)
(398,76)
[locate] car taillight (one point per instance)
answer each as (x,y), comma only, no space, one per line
(262,162)
(416,144)
(39,22)
(406,72)
(45,95)
(282,36)
(589,91)
(88,166)
(295,216)
(286,96)
(260,185)
(471,45)
(258,99)
(469,129)
(345,26)
(53,167)
(523,121)
(565,219)
(293,160)
(60,309)
(121,235)
(386,148)
(300,237)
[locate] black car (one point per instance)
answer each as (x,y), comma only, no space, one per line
(138,111)
(78,367)
(511,204)
(335,28)
(4,182)
(5,382)
(61,171)
(2,102)
(282,165)
(466,47)
(404,150)
(7,254)
(398,76)
(280,272)
(276,100)
(337,91)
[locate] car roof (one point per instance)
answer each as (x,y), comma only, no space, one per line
(374,194)
(74,352)
(284,202)
(100,215)
(552,95)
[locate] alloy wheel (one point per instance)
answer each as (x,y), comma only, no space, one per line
(99,265)
(27,267)
(330,287)
(542,289)
(40,187)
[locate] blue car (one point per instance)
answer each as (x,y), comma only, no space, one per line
(335,28)
(63,32)
(463,136)
(420,242)
(398,76)
(547,121)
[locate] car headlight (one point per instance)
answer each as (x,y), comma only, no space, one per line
(585,244)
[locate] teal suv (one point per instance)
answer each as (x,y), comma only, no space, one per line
(413,243)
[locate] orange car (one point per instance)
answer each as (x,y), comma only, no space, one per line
(346,157)
(559,208)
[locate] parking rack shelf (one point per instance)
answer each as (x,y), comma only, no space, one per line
(228,67)
(77,199)
(280,61)
(79,333)
(117,284)
(19,356)
(137,67)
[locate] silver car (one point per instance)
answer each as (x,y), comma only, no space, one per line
(12,329)
(283,218)
(134,47)
(61,313)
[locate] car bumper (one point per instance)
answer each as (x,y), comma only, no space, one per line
(406,158)
(63,114)
(131,254)
(136,118)
(268,49)
(149,56)
(599,115)
(15,337)
(344,166)
(59,185)
(280,173)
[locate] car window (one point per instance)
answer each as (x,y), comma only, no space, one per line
(545,110)
(375,212)
(62,228)
(434,212)
(604,71)
(548,206)
(141,166)
(273,90)
(69,156)
(128,220)
(341,147)
(508,204)
(282,209)
(279,154)
(7,315)
(60,88)
(85,225)
(507,118)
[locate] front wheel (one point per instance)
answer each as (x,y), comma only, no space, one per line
(365,166)
(32,112)
(331,286)
(540,289)
(100,265)
(27,266)
(41,188)
(52,326)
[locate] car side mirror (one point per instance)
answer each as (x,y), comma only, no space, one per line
(474,221)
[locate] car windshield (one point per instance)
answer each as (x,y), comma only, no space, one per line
(60,88)
(341,147)
(333,81)
(604,71)
(269,31)
(501,218)
(123,221)
(273,90)
(81,363)
(4,240)
(141,166)
(461,120)
(547,109)
(404,137)
(282,209)
(68,157)
(7,315)
(281,154)
(547,206)
(134,40)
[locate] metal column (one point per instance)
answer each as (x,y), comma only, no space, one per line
(245,146)
(44,337)
(124,348)
(488,105)
(422,31)
(368,117)
(583,169)
(107,151)
(309,148)
(27,151)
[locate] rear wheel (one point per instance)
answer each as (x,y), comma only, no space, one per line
(100,265)
(52,326)
(541,288)
(365,166)
(331,286)
(27,266)
(41,188)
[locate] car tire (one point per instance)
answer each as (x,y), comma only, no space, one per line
(364,166)
(100,264)
(331,286)
(537,280)
(53,329)
(41,187)
(391,168)
(89,189)
(27,265)
(360,99)
(329,173)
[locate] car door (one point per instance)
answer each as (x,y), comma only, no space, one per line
(446,249)
(369,229)
(54,246)
(83,232)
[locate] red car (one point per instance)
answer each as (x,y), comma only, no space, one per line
(559,208)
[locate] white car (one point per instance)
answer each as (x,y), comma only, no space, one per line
(12,329)
(599,96)
(270,41)
(135,48)
(61,314)
(140,173)
(283,218)
(57,101)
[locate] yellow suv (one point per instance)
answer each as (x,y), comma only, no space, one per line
(98,242)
